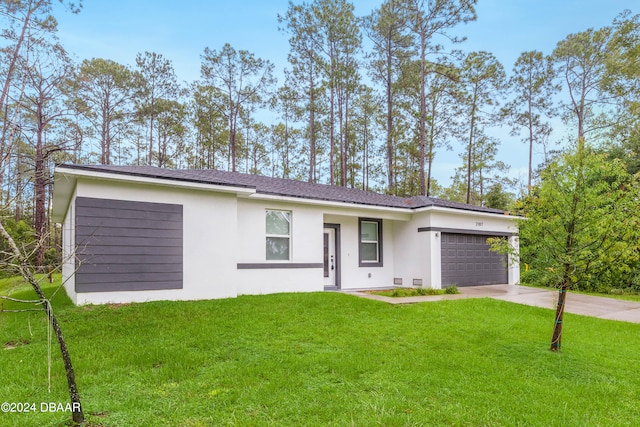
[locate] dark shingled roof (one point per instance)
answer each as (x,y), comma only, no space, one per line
(282,187)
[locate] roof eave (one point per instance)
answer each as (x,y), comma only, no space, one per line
(333,203)
(166,181)
(463,211)
(66,178)
(63,188)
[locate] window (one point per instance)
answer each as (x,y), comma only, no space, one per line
(278,226)
(370,231)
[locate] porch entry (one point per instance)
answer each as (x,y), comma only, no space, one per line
(331,253)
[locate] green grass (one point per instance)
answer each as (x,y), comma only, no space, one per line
(325,359)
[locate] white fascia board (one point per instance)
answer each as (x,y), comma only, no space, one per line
(402,214)
(163,182)
(467,212)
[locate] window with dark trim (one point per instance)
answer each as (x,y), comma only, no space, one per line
(370,242)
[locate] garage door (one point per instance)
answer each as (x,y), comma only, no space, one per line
(467,261)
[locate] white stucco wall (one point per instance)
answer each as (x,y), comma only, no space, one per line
(514,262)
(352,275)
(434,276)
(467,220)
(209,238)
(306,248)
(418,256)
(476,222)
(411,253)
(224,237)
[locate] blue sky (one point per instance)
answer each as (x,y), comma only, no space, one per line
(119,29)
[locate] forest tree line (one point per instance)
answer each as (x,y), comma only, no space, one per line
(367,102)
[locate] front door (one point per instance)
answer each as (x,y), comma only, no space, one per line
(330,260)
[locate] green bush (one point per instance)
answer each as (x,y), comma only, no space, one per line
(408,292)
(635,282)
(537,277)
(453,289)
(605,283)
(51,259)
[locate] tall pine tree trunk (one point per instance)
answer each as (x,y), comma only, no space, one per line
(332,146)
(531,140)
(390,171)
(470,147)
(312,124)
(423,113)
(39,190)
(151,117)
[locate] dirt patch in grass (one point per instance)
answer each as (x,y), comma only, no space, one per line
(107,306)
(10,345)
(414,292)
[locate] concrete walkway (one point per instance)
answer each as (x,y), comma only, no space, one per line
(586,305)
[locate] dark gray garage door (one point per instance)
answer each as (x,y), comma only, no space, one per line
(467,261)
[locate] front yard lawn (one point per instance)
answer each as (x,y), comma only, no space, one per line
(324,359)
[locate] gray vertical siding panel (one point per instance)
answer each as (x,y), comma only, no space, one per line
(128,246)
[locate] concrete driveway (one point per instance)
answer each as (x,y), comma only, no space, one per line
(586,305)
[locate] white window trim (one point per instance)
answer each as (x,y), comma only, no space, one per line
(287,236)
